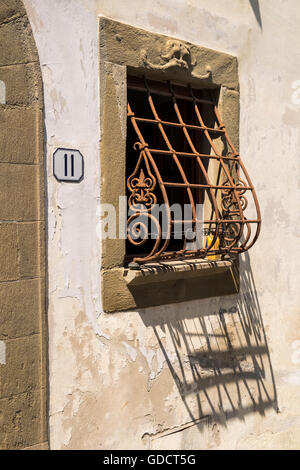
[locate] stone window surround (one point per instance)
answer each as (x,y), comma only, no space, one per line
(123,49)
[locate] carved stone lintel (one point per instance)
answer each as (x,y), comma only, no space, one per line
(206,76)
(175,55)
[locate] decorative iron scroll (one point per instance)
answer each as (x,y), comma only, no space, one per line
(139,185)
(225,190)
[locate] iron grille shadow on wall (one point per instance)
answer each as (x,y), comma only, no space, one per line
(179,153)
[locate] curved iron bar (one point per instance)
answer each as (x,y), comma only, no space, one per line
(229,226)
(152,256)
(250,185)
(204,172)
(224,167)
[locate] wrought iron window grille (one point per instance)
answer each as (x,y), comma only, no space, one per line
(179,151)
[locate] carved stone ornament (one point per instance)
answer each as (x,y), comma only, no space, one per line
(176,55)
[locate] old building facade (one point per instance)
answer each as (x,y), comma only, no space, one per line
(93,356)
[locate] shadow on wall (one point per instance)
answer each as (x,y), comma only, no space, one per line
(219,358)
(256,10)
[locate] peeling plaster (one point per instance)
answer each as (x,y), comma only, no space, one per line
(132,352)
(71,121)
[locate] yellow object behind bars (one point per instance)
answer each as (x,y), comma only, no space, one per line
(216,245)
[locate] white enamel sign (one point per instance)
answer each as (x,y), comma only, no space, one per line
(68,165)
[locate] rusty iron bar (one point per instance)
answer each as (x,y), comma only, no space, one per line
(196,185)
(138,84)
(189,154)
(228,221)
(179,124)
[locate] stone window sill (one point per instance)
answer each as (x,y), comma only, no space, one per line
(175,270)
(168,282)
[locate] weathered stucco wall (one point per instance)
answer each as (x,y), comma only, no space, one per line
(225,371)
